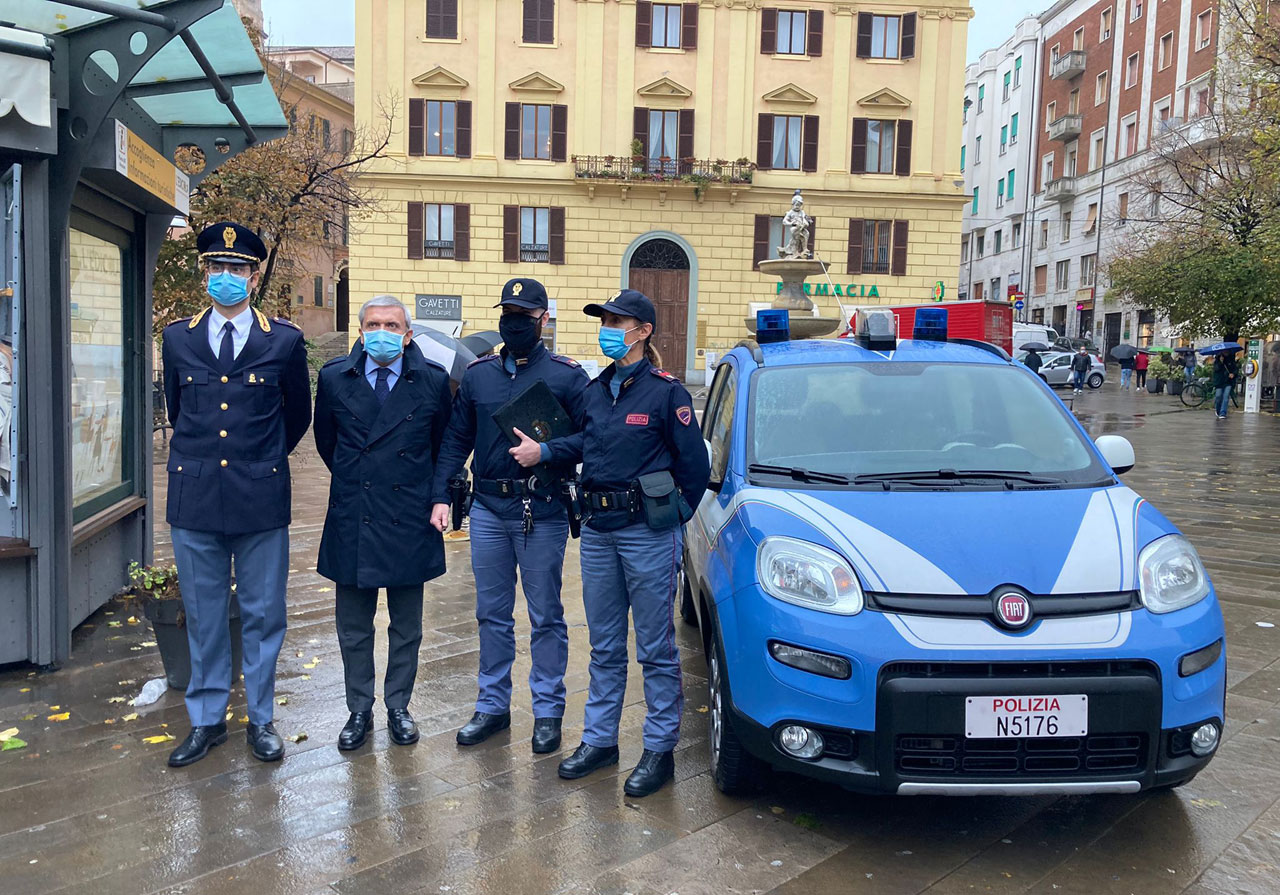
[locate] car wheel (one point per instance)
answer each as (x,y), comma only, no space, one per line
(1095,381)
(735,771)
(688,611)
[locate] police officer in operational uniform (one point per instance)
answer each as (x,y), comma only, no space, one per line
(516,521)
(644,470)
(239,397)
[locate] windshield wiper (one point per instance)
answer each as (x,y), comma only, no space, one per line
(798,473)
(1002,475)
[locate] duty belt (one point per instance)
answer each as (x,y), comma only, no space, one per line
(598,501)
(505,488)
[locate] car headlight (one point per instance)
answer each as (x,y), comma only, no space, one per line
(805,574)
(1172,575)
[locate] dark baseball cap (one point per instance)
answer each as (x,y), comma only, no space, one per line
(524,293)
(626,303)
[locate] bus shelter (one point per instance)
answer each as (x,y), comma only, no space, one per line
(97,100)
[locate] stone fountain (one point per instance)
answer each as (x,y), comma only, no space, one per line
(793,267)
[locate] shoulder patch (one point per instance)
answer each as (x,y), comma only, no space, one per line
(481,360)
(663,374)
(567,361)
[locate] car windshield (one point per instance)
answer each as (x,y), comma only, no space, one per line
(925,421)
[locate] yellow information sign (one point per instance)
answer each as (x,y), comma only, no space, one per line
(136,160)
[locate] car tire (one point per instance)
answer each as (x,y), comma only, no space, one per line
(1095,380)
(688,611)
(734,770)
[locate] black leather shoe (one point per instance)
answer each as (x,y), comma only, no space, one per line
(481,727)
(654,770)
(587,758)
(356,731)
(403,731)
(546,735)
(267,745)
(197,744)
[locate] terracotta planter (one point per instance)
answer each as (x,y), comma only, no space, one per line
(168,620)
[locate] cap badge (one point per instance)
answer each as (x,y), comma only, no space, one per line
(229,237)
(616,295)
(517,288)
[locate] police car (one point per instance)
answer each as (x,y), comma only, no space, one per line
(914,573)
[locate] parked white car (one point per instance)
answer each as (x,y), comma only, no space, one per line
(1056,369)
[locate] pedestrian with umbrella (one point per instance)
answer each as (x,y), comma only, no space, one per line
(1033,361)
(1140,364)
(1187,357)
(1225,371)
(1125,355)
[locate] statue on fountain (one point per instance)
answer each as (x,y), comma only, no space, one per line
(796,223)
(795,262)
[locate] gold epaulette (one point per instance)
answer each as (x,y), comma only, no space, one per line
(195,321)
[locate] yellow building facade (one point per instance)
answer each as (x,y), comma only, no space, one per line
(595,144)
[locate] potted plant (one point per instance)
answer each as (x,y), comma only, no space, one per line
(1158,373)
(156,589)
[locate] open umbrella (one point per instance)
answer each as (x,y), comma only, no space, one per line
(482,342)
(1034,346)
(1158,349)
(1222,348)
(1124,352)
(444,349)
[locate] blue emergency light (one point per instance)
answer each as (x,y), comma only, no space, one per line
(930,325)
(773,325)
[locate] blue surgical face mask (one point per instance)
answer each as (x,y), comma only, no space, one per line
(383,346)
(227,289)
(613,342)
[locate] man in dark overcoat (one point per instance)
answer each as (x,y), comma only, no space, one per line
(381,413)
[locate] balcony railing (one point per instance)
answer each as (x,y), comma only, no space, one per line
(1060,190)
(643,169)
(1068,65)
(1065,127)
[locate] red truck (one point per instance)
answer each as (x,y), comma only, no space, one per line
(988,321)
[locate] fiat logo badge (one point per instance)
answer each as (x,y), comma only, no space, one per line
(1013,610)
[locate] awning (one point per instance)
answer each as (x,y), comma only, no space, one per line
(1092,222)
(24,76)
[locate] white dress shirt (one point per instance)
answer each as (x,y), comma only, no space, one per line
(371,371)
(242,323)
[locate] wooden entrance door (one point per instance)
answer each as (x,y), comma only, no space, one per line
(660,269)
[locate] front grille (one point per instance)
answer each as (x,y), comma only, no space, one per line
(1019,670)
(981,606)
(924,754)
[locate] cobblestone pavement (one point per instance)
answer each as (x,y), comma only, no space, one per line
(88,806)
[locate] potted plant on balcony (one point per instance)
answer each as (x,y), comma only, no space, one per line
(156,589)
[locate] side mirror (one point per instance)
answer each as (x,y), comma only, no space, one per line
(1117,451)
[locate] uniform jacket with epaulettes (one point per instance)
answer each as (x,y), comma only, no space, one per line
(233,431)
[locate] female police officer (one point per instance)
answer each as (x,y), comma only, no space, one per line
(644,469)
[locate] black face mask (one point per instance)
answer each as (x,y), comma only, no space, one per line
(520,333)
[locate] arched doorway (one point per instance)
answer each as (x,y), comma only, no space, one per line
(659,268)
(342,303)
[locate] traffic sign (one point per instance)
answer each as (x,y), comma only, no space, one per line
(1018,305)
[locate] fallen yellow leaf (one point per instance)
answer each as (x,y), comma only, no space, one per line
(306,677)
(132,716)
(54,708)
(108,720)
(310,664)
(115,699)
(62,716)
(132,620)
(228,718)
(6,734)
(161,738)
(323,590)
(283,700)
(297,738)
(28,717)
(147,643)
(113,624)
(126,683)
(25,690)
(244,719)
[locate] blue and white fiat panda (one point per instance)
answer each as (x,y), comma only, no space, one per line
(914,573)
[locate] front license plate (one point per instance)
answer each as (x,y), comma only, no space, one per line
(999,717)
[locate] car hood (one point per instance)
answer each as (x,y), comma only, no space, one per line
(1068,541)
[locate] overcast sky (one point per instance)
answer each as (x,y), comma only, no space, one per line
(298,22)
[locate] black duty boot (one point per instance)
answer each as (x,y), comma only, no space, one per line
(404,732)
(654,770)
(197,744)
(546,735)
(481,727)
(587,758)
(267,745)
(356,731)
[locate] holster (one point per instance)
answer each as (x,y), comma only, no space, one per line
(572,496)
(459,491)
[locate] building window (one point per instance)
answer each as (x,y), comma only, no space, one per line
(535,234)
(535,131)
(1050,114)
(982,244)
(438,128)
(1096,147)
(1017,236)
(1069,168)
(1008,78)
(1203,34)
(1054,53)
(962,149)
(317,291)
(441,124)
(1009,185)
(1013,129)
(880,147)
(1088,264)
(1077,39)
(1047,169)
(964,251)
(665,27)
(1066,226)
(1130,137)
(875,246)
(1073,102)
(1104,25)
(1154,207)
(437,231)
(1000,194)
(1044,234)
(1135,11)
(1041,279)
(1091,223)
(977,150)
(1004,139)
(1100,89)
(1201,104)
(793,28)
(995,283)
(1062,276)
(982,96)
(1162,111)
(539,21)
(886,37)
(1166,51)
(1123,209)
(324,133)
(997,247)
(878,247)
(1017,71)
(442,19)
(1131,71)
(788,134)
(974,209)
(664,140)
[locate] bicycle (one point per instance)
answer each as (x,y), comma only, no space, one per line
(1201,390)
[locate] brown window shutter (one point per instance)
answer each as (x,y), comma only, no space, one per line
(902,165)
(511,234)
(768,31)
(462,232)
(530,29)
(909,36)
(764,143)
(513,131)
(689,27)
(449,19)
(556,253)
(462,141)
(760,249)
(856,226)
(809,144)
(814,44)
(559,133)
(685,146)
(640,128)
(864,35)
(899,264)
(858,160)
(644,24)
(415,229)
(417,127)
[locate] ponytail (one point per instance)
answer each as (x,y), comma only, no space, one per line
(651,353)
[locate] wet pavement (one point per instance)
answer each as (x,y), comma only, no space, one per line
(89,806)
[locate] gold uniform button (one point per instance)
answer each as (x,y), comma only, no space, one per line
(222,433)
(188,379)
(273,469)
(224,462)
(224,379)
(224,405)
(179,469)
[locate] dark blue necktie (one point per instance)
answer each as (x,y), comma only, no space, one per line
(380,388)
(227,350)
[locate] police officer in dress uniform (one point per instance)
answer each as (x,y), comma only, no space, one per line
(381,413)
(239,397)
(644,470)
(516,522)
